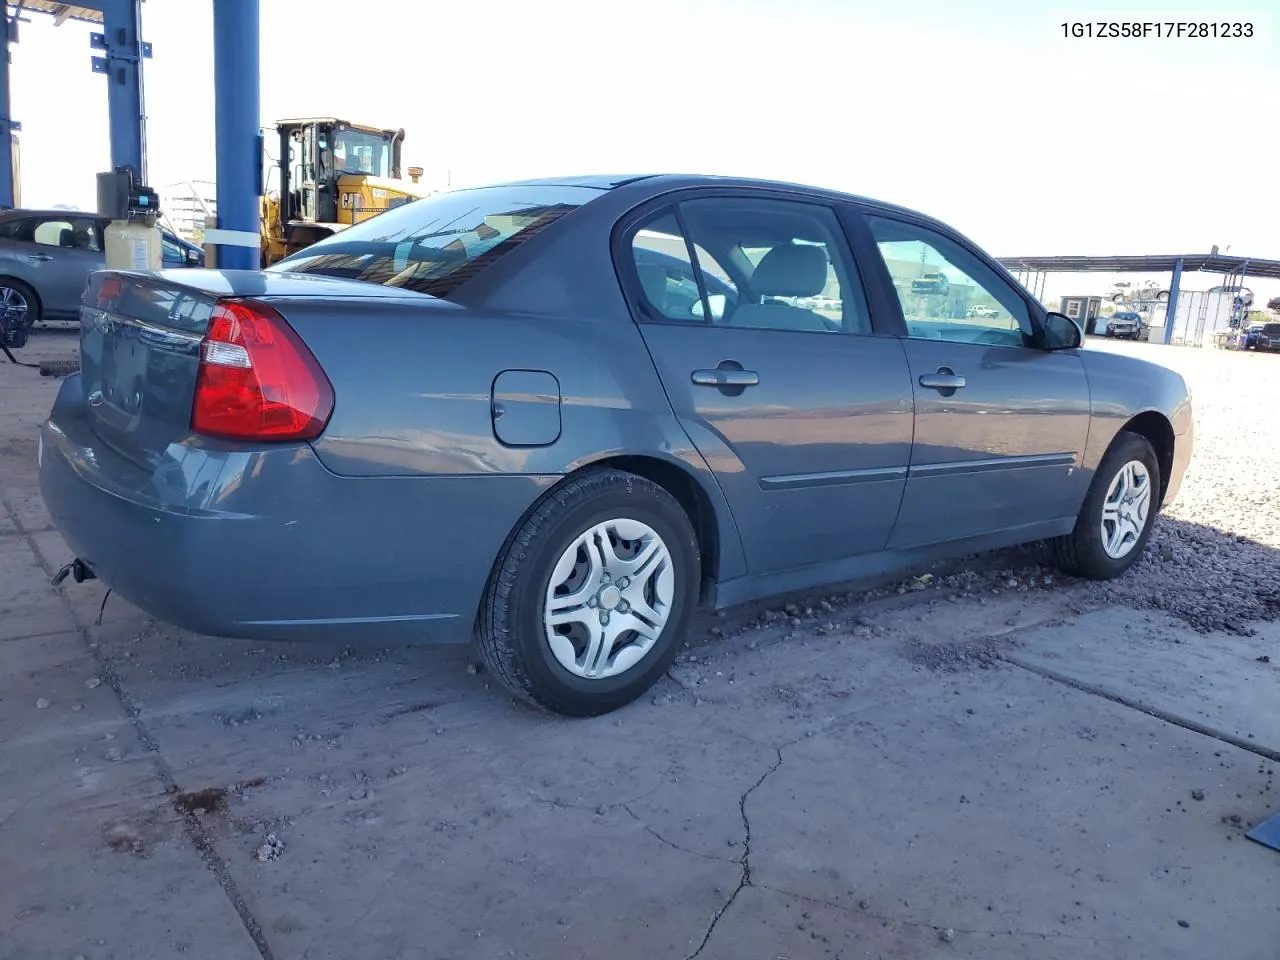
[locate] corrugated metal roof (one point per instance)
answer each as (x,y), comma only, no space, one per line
(61,12)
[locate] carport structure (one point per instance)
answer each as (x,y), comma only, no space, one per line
(1031,271)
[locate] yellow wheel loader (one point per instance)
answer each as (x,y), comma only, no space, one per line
(331,174)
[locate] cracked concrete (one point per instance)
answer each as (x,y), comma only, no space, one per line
(855,786)
(745,860)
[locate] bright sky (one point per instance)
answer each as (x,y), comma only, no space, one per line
(978,112)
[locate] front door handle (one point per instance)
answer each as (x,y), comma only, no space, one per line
(40,257)
(944,379)
(726,376)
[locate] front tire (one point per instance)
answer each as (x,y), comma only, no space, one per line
(1118,513)
(591,596)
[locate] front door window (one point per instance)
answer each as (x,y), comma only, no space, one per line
(946,292)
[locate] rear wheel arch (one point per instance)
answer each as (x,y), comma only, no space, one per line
(1158,431)
(676,480)
(689,493)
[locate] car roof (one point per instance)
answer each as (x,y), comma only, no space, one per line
(21,212)
(661,182)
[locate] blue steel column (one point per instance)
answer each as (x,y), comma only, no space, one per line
(236,121)
(1172,310)
(122,31)
(6,125)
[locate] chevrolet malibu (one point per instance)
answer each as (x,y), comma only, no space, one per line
(556,416)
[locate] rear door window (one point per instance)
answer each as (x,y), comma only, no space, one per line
(70,234)
(668,279)
(798,274)
(435,245)
(766,263)
(54,233)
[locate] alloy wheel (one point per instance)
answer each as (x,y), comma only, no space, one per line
(13,308)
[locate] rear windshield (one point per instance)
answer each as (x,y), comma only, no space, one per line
(437,244)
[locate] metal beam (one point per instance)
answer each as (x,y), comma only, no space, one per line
(236,120)
(122,36)
(1172,311)
(7,126)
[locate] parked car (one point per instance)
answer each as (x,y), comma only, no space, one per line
(1126,324)
(46,257)
(1150,291)
(1268,338)
(1243,294)
(1249,340)
(930,283)
(486,415)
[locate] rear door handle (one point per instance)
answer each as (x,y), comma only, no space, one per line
(944,379)
(726,377)
(41,257)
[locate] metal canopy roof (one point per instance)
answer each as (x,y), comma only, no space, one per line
(1210,262)
(61,12)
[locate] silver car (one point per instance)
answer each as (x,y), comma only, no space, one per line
(47,256)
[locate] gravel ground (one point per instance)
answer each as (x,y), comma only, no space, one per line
(1214,557)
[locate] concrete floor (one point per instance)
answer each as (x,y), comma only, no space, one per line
(1004,772)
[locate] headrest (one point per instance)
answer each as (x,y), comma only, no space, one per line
(794,270)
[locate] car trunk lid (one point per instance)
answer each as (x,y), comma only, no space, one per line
(141,336)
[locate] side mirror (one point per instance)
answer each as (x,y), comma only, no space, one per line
(1061,332)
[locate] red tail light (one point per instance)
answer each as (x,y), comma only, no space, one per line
(257,379)
(109,289)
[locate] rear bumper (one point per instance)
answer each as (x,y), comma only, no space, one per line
(265,543)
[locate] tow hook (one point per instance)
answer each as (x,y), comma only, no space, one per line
(78,570)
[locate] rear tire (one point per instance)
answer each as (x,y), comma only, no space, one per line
(591,596)
(1119,511)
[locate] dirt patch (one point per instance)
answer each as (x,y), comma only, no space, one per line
(981,653)
(135,836)
(208,800)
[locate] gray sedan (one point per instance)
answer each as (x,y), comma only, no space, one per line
(46,257)
(556,416)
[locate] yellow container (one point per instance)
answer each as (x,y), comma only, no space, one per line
(132,246)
